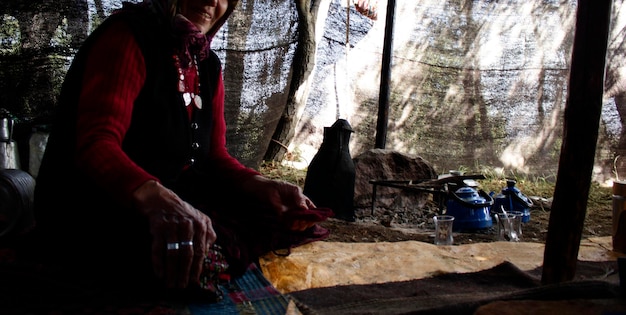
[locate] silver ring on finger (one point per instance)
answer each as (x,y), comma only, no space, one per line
(187,243)
(173,246)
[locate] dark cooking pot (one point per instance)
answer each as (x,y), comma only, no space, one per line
(17,190)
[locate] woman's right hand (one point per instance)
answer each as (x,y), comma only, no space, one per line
(181,235)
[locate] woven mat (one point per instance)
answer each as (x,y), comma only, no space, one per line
(465,293)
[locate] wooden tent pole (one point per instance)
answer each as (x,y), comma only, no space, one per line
(583,108)
(385,77)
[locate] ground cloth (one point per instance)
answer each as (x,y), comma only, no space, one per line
(325,264)
(465,293)
(23,290)
(421,278)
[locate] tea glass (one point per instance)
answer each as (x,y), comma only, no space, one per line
(507,228)
(443,229)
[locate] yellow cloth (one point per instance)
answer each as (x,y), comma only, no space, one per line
(324,264)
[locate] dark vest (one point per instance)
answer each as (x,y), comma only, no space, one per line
(161,138)
(80,228)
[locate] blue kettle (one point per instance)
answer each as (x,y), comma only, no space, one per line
(512,199)
(470,208)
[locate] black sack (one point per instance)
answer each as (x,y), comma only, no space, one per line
(330,177)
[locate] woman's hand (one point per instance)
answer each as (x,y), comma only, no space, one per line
(181,235)
(282,197)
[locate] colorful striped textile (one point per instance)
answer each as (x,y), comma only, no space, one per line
(25,290)
(251,293)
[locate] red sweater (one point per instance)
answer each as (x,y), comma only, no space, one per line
(116,73)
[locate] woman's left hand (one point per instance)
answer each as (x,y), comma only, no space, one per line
(282,197)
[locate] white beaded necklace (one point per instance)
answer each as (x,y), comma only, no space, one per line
(189,96)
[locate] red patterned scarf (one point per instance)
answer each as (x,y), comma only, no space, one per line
(190,40)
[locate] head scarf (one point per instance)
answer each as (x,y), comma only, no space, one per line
(191,42)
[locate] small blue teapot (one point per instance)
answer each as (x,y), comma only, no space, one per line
(470,208)
(512,199)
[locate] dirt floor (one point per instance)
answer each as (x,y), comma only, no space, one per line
(419,225)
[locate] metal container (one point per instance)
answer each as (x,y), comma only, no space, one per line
(37,146)
(6,128)
(619,216)
(9,154)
